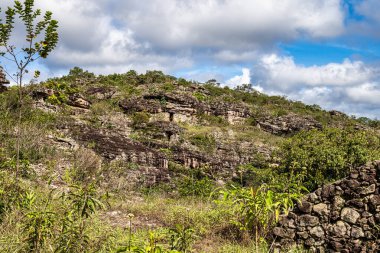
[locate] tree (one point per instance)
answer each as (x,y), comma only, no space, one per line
(41,38)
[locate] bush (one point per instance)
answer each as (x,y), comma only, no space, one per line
(183,82)
(205,142)
(200,96)
(213,120)
(257,209)
(328,155)
(189,186)
(140,118)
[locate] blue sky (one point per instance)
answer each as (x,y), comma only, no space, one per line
(324,52)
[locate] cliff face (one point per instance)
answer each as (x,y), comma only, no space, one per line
(340,217)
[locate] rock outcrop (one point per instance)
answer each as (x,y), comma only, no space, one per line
(152,165)
(336,113)
(339,217)
(180,107)
(101,93)
(77,100)
(288,124)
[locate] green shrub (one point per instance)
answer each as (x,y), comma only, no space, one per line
(140,118)
(56,100)
(38,226)
(181,238)
(328,155)
(200,96)
(257,209)
(190,186)
(61,86)
(183,82)
(168,87)
(10,192)
(77,72)
(154,76)
(213,120)
(249,175)
(205,142)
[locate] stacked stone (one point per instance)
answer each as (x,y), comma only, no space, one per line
(340,217)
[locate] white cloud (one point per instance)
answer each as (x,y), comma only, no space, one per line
(245,78)
(350,86)
(173,34)
(230,56)
(249,24)
(284,73)
(365,93)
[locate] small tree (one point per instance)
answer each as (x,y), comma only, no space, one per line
(40,39)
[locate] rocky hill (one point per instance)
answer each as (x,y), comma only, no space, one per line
(132,133)
(157,123)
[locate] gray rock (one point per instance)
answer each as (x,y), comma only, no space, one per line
(339,229)
(303,235)
(288,124)
(317,232)
(350,215)
(286,221)
(368,190)
(338,203)
(284,233)
(77,100)
(310,241)
(305,207)
(357,232)
(375,200)
(337,246)
(321,209)
(313,197)
(353,184)
(308,220)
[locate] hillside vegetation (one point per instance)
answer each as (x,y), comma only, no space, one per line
(153,163)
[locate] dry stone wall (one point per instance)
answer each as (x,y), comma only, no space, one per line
(339,217)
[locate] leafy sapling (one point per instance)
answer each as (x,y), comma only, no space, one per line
(41,37)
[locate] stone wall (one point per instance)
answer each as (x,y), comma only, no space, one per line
(339,217)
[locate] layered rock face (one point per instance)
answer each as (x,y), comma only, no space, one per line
(340,217)
(184,108)
(288,124)
(152,165)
